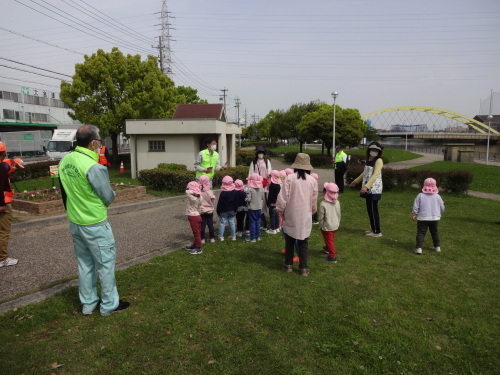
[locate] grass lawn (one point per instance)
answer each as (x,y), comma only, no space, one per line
(231,310)
(486,177)
(392,154)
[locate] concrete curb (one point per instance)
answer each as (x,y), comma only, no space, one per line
(63,219)
(42,295)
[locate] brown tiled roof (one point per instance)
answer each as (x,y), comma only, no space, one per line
(200,111)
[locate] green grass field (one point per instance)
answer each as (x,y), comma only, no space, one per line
(231,310)
(486,177)
(392,154)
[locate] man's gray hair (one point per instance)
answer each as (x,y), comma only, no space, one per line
(86,134)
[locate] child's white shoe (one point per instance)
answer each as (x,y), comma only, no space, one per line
(438,249)
(418,251)
(221,238)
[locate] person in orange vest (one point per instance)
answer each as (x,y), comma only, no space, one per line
(6,195)
(104,156)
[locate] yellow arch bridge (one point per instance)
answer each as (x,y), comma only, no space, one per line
(470,122)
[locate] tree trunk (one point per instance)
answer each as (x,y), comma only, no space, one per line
(322,148)
(328,151)
(300,143)
(114,146)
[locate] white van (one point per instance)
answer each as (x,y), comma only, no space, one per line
(62,143)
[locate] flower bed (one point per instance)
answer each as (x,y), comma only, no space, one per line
(49,201)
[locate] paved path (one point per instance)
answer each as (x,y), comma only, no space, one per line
(142,231)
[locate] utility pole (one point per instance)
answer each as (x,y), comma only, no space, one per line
(160,50)
(246,123)
(223,97)
(237,103)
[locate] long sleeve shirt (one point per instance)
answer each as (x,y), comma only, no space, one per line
(428,207)
(255,198)
(99,180)
(329,215)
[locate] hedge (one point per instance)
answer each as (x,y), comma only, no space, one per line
(164,179)
(30,171)
(456,182)
(172,166)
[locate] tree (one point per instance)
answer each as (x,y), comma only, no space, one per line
(190,95)
(293,117)
(108,88)
(349,127)
(371,134)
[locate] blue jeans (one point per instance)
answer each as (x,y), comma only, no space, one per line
(254,218)
(227,216)
(95,252)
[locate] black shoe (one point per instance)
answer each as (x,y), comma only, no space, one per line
(190,247)
(122,305)
(325,250)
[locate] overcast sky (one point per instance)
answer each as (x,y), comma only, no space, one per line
(274,53)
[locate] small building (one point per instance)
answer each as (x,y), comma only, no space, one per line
(179,139)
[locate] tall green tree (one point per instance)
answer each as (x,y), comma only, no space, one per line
(190,95)
(108,88)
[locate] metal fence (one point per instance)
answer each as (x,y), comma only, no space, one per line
(494,157)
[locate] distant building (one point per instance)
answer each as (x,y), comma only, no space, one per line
(409,128)
(179,139)
(31,106)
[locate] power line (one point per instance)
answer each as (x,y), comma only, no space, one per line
(28,71)
(67,24)
(21,80)
(31,66)
(40,41)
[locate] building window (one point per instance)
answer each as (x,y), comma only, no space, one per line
(156,146)
(8,114)
(9,96)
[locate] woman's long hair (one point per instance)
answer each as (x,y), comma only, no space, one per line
(301,173)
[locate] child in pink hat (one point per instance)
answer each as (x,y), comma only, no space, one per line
(207,208)
(226,207)
(272,196)
(193,194)
(255,200)
(427,209)
(241,209)
(329,219)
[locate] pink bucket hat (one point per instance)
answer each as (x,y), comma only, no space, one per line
(193,187)
(332,192)
(238,185)
(316,177)
(275,177)
(430,186)
(288,171)
(254,181)
(227,184)
(283,174)
(204,182)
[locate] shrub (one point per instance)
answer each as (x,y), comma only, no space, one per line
(244,157)
(164,179)
(236,173)
(31,171)
(289,157)
(321,161)
(172,166)
(456,181)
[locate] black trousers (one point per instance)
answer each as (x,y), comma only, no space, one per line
(422,226)
(240,220)
(339,175)
(207,219)
(302,250)
(372,208)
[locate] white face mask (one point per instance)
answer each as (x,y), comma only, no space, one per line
(213,147)
(260,156)
(374,153)
(96,150)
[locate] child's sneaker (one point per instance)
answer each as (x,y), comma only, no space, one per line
(375,235)
(418,251)
(247,239)
(368,232)
(203,242)
(258,238)
(233,238)
(221,238)
(287,268)
(271,231)
(247,232)
(254,240)
(212,240)
(189,247)
(239,234)
(8,262)
(304,272)
(331,260)
(437,249)
(196,251)
(325,250)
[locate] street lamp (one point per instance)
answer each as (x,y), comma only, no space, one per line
(488,141)
(334,95)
